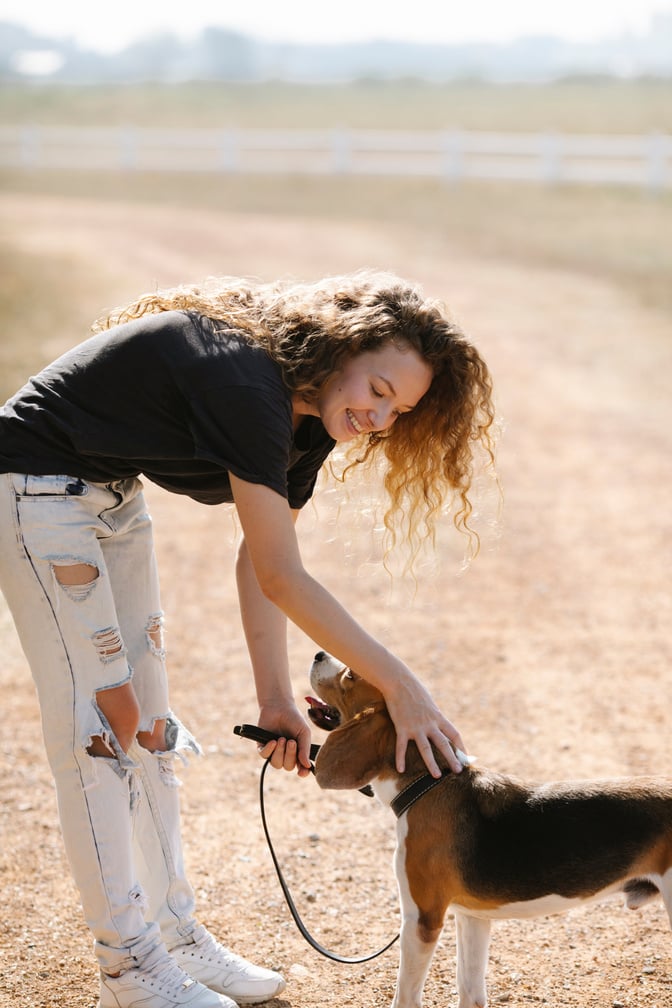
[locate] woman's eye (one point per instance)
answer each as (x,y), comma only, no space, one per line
(376,393)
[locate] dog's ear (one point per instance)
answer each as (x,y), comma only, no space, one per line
(356,752)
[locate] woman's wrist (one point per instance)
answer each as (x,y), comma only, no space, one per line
(394,678)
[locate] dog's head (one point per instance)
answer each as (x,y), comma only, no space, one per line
(362,740)
(341,693)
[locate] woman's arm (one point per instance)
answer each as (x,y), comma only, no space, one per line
(265,628)
(273,551)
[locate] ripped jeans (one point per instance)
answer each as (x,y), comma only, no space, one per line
(119,815)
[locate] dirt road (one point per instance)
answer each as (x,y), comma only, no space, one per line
(551,651)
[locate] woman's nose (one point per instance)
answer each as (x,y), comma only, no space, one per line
(382,417)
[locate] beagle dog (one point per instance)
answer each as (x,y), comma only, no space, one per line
(485,846)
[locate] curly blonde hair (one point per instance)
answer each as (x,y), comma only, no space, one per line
(428,455)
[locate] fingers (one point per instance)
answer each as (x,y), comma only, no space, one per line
(280,752)
(447,749)
(284,754)
(426,745)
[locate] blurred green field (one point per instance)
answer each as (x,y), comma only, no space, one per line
(610,105)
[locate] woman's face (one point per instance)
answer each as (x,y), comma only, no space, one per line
(371,390)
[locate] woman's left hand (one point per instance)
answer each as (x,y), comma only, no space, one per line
(417,718)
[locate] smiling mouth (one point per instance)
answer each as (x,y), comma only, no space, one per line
(354,422)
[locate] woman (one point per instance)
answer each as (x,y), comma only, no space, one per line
(229,392)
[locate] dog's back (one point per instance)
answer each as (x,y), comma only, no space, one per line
(511,842)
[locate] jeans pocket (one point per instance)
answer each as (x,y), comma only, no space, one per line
(54,487)
(55,517)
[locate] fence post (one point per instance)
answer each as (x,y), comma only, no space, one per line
(341,152)
(128,148)
(657,161)
(551,158)
(452,155)
(30,147)
(228,151)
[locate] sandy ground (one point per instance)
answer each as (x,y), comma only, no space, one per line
(551,651)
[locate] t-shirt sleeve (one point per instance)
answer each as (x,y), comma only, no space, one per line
(303,472)
(245,430)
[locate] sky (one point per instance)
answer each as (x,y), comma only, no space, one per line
(108,27)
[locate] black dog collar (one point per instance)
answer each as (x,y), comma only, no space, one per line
(412,792)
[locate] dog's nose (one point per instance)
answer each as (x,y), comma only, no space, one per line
(321,655)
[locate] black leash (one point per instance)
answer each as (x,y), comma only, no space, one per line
(262,736)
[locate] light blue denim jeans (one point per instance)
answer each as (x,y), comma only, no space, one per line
(119,816)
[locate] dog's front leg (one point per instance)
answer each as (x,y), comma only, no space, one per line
(419,935)
(665,886)
(417,949)
(473,939)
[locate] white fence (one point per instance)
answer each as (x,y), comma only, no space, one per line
(552,158)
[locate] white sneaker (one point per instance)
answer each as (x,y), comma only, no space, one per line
(204,959)
(158,983)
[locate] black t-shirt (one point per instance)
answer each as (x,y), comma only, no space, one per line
(175,396)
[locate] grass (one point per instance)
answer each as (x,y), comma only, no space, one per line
(41,297)
(607,105)
(621,235)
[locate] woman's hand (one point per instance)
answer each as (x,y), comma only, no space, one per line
(291,751)
(417,718)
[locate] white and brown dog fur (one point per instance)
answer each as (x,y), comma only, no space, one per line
(484,846)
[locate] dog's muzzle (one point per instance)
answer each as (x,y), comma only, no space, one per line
(322,715)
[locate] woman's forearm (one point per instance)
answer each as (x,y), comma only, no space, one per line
(265,628)
(322,618)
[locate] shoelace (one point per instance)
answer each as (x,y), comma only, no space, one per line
(209,948)
(167,973)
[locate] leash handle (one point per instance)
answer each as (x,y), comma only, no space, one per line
(262,736)
(334,956)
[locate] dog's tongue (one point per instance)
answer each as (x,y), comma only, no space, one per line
(314,702)
(322,715)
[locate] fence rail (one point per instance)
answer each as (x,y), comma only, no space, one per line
(633,160)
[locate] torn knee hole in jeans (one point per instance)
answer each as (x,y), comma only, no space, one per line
(77,579)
